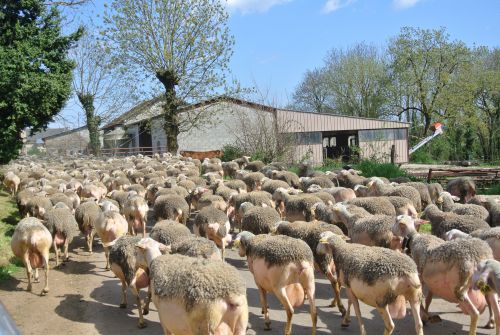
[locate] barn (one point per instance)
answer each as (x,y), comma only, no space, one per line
(224,120)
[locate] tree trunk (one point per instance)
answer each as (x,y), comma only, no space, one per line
(93,121)
(170,109)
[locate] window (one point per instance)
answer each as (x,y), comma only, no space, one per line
(308,138)
(382,134)
(325,142)
(333,141)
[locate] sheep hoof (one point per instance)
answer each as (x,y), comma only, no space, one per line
(489,325)
(141,325)
(434,319)
(145,311)
(44,292)
(123,305)
(36,280)
(345,323)
(333,303)
(267,325)
(29,288)
(342,310)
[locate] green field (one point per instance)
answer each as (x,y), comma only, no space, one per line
(8,219)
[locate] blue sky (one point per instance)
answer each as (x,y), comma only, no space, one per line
(278,40)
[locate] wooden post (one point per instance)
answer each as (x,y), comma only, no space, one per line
(429,175)
(393,154)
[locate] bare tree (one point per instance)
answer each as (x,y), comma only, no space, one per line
(102,89)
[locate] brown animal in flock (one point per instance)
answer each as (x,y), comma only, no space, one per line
(201,155)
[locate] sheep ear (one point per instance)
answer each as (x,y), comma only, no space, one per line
(165,249)
(455,198)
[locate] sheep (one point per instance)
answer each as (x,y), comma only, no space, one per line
(62,225)
(340,194)
(225,192)
(110,226)
(486,278)
(194,246)
(310,232)
(492,206)
(321,181)
(374,205)
(403,206)
(171,207)
(441,222)
(447,267)
(422,188)
(109,205)
(86,215)
(253,180)
(61,197)
(288,177)
(272,185)
(237,185)
(22,199)
(462,187)
(37,206)
(230,168)
(123,263)
(31,242)
(259,220)
(379,277)
(295,207)
(490,236)
(168,232)
(258,198)
(254,166)
(448,205)
(434,190)
(211,200)
(213,224)
(377,187)
(135,211)
(326,197)
(282,265)
(347,179)
(192,295)
(11,182)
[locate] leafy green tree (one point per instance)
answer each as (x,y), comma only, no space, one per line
(185,44)
(424,63)
(35,73)
(352,82)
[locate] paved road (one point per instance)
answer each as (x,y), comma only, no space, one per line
(84,300)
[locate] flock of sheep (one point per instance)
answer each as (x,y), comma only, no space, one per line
(361,233)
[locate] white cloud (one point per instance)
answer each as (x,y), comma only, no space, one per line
(250,6)
(333,5)
(403,4)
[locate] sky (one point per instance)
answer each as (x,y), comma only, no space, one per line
(277,41)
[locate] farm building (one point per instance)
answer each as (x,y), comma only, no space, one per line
(68,142)
(316,136)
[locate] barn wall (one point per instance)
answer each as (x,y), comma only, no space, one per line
(313,152)
(72,142)
(381,150)
(158,135)
(292,121)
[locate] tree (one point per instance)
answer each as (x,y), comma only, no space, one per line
(102,89)
(35,72)
(425,62)
(185,44)
(351,82)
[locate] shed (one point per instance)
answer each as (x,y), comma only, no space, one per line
(316,136)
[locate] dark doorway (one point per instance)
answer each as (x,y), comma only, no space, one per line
(145,139)
(339,145)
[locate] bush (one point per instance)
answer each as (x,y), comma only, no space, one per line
(495,190)
(422,156)
(375,169)
(231,152)
(331,164)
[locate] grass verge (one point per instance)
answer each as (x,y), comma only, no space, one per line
(9,217)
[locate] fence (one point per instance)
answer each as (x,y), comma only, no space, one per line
(121,152)
(484,177)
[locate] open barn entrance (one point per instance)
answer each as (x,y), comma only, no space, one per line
(340,144)
(145,140)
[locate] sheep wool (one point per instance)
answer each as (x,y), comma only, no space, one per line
(122,253)
(193,280)
(168,232)
(194,246)
(280,250)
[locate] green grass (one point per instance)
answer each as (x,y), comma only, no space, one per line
(425,228)
(495,190)
(374,169)
(8,219)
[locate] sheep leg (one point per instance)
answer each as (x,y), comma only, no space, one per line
(135,291)
(466,304)
(223,249)
(106,253)
(66,250)
(283,298)
(357,310)
(45,255)
(123,303)
(26,260)
(35,276)
(415,311)
(90,240)
(336,291)
(56,251)
(145,310)
(492,299)
(240,327)
(263,303)
(431,318)
(388,323)
(346,320)
(312,306)
(491,321)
